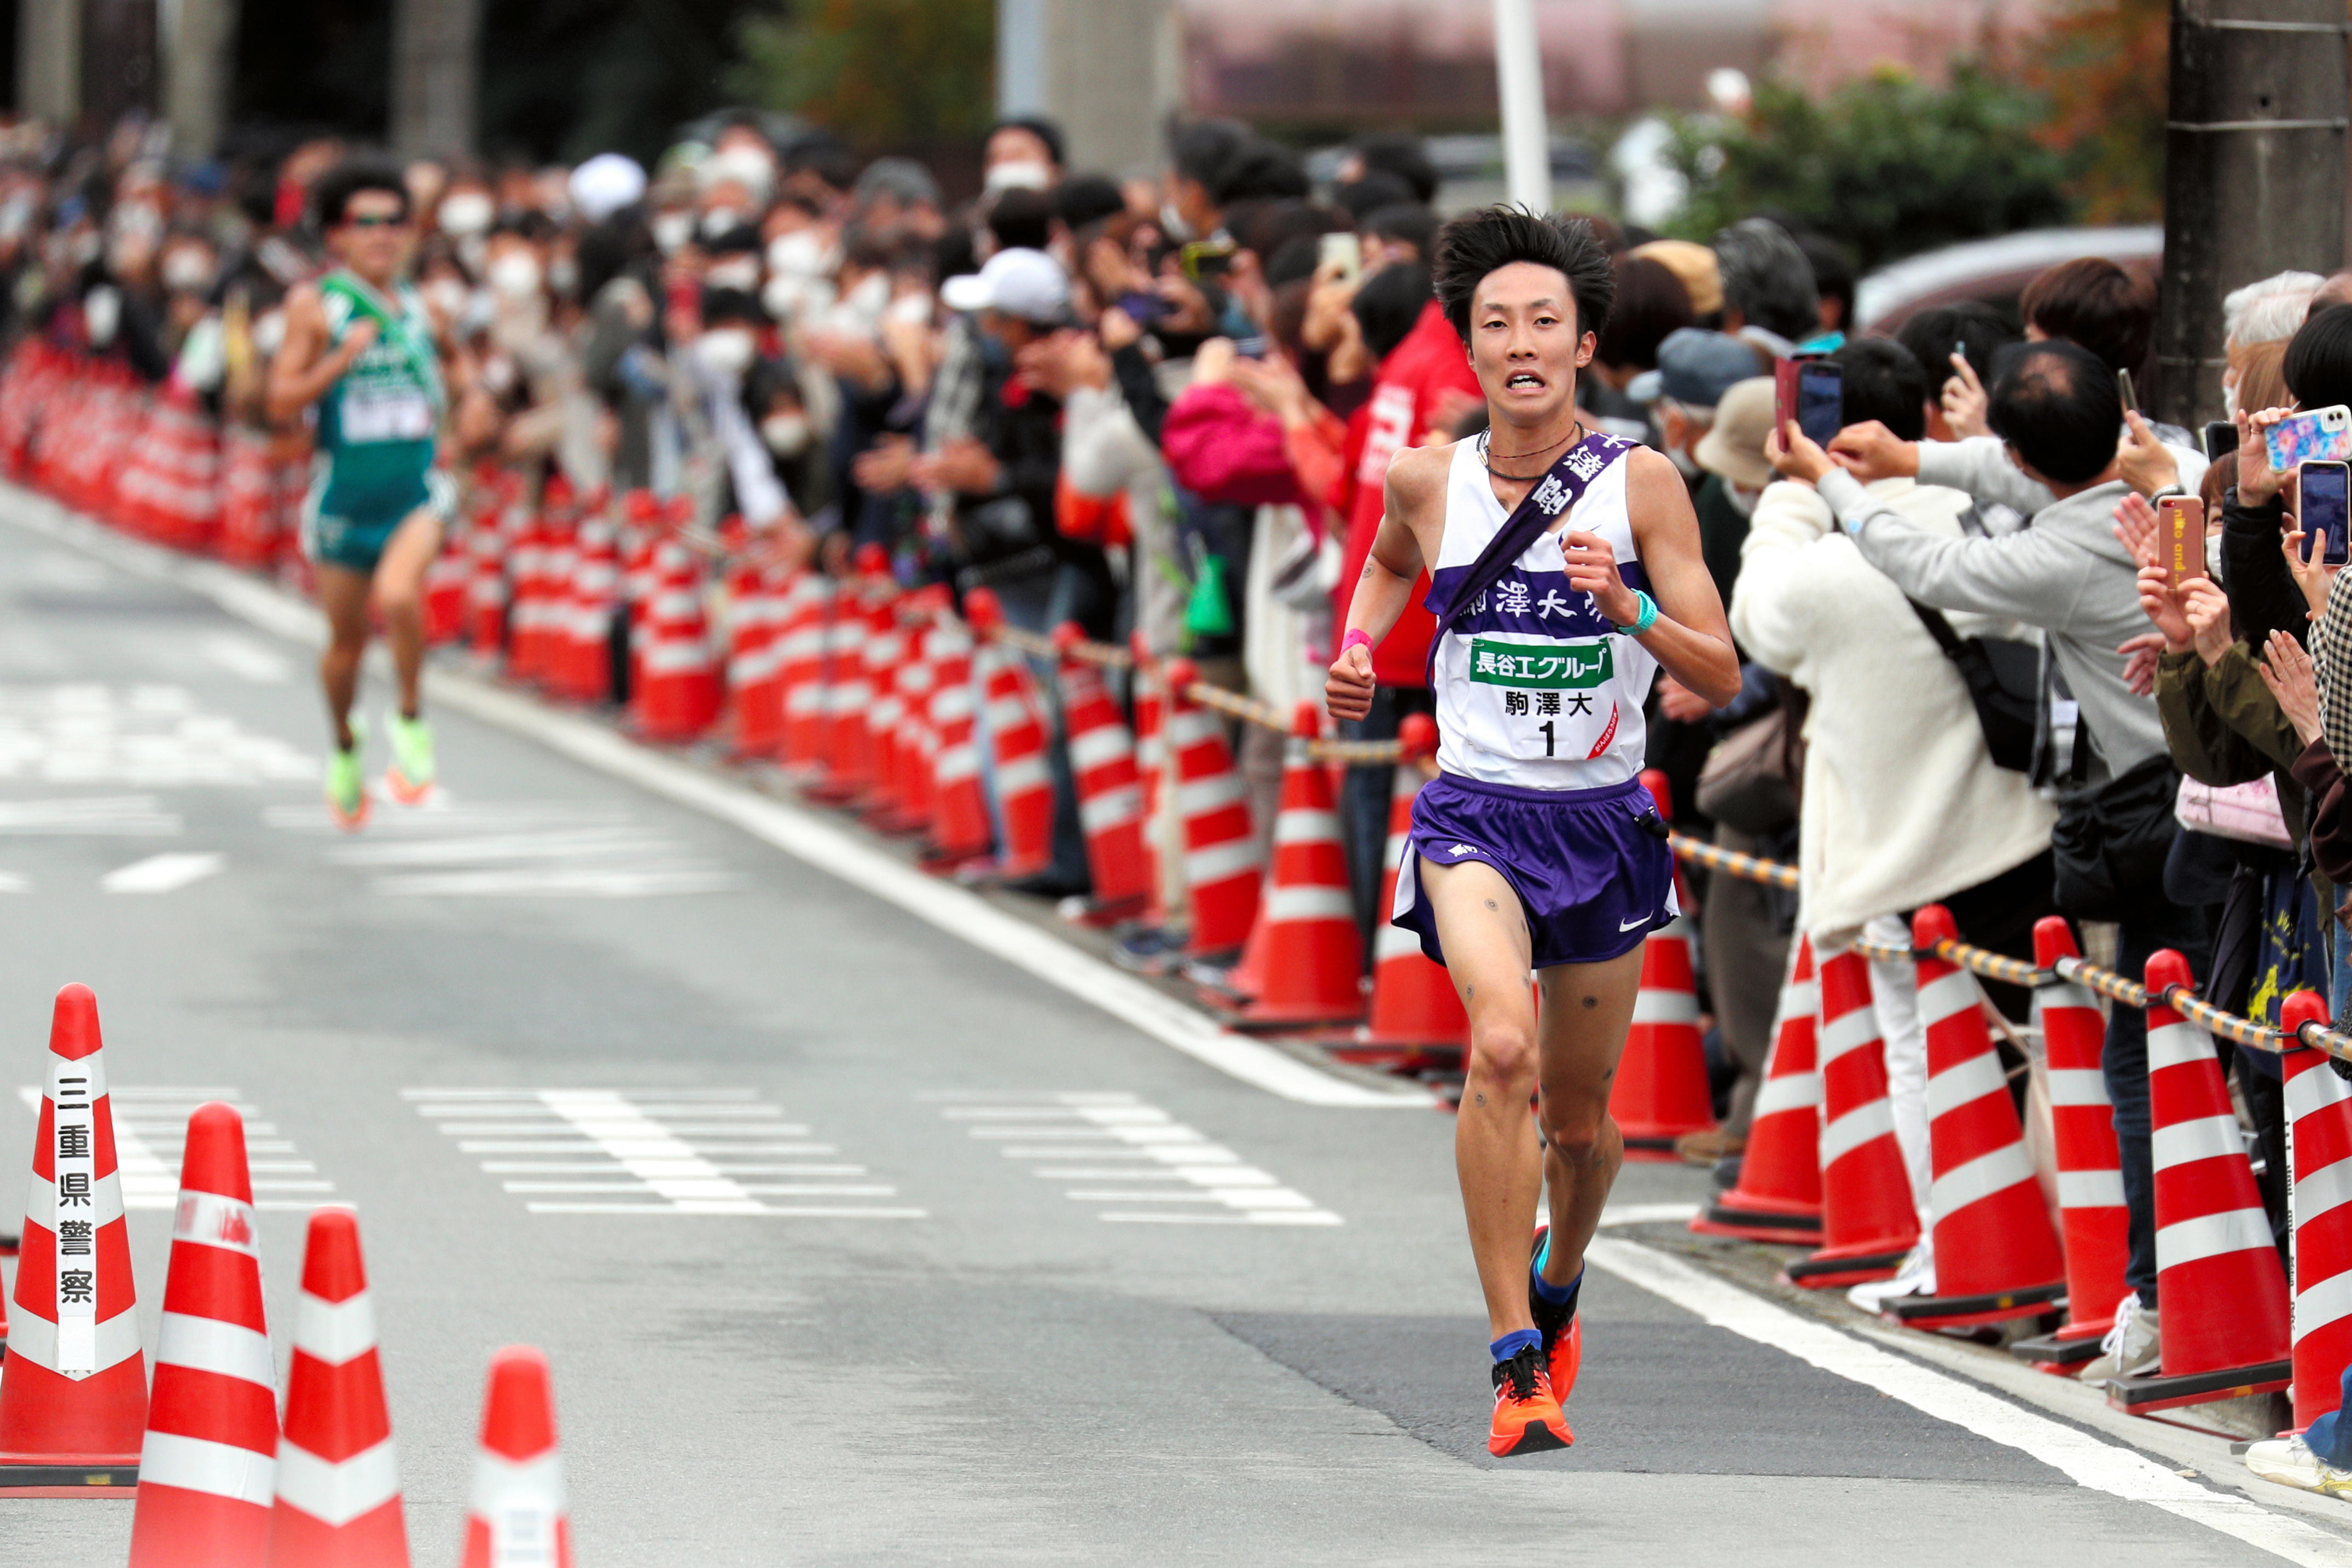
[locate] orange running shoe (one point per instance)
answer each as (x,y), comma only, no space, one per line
(1527,1417)
(1563,1332)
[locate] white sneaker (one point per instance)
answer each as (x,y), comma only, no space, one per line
(2133,1348)
(1916,1278)
(2290,1462)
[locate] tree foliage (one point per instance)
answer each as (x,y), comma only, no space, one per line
(1887,164)
(2104,65)
(878,72)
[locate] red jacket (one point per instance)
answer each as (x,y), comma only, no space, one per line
(1408,396)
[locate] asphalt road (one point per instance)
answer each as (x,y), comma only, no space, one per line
(852,1242)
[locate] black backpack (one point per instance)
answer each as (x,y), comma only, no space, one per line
(2004,682)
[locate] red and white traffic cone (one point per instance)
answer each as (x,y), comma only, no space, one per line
(2319,1140)
(915,744)
(1016,740)
(2091,1213)
(1661,1091)
(680,693)
(754,661)
(1996,1256)
(2224,1319)
(846,696)
(1222,859)
(1151,768)
(527,593)
(1110,789)
(207,1472)
(802,652)
(73,1401)
(1414,999)
(1868,1219)
(338,1479)
(248,523)
(885,652)
(959,830)
(1314,967)
(518,1517)
(585,662)
(1778,1197)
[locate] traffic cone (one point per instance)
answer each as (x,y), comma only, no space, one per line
(73,1397)
(1996,1256)
(1314,970)
(1778,1197)
(1222,859)
(1662,1090)
(1110,789)
(1016,740)
(517,1519)
(1868,1218)
(248,519)
(846,696)
(886,653)
(1414,999)
(754,661)
(800,650)
(1151,768)
(206,1473)
(2091,1211)
(2226,1325)
(338,1480)
(959,830)
(917,742)
(2319,1140)
(681,691)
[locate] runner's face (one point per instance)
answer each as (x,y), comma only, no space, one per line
(374,236)
(1524,343)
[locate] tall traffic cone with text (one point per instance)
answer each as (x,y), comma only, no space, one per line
(73,1393)
(517,1519)
(338,1482)
(206,1473)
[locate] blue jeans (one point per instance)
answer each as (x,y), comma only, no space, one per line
(2124,1061)
(2339,968)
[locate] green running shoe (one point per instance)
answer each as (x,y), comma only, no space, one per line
(410,777)
(347,794)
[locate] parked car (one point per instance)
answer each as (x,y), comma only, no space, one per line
(1996,271)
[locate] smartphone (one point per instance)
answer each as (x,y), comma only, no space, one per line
(1144,308)
(2324,506)
(2317,435)
(1784,393)
(1344,253)
(2124,390)
(2221,440)
(1821,400)
(2181,537)
(1207,258)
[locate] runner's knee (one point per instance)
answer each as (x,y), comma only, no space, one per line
(1579,1130)
(1504,1049)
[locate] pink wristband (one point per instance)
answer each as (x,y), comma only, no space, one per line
(1357,637)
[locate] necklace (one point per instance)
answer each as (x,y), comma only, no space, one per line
(1486,455)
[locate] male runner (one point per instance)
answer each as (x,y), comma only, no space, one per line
(360,345)
(1536,848)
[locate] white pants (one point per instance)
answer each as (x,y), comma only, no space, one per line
(1894,997)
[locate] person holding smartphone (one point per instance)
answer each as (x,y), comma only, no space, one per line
(1565,572)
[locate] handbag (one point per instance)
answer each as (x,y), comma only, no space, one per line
(2110,842)
(2248,813)
(1745,783)
(2004,682)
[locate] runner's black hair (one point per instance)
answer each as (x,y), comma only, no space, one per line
(339,185)
(1478,242)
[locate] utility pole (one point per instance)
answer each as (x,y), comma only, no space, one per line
(1518,80)
(433,76)
(1106,69)
(196,76)
(49,59)
(2254,168)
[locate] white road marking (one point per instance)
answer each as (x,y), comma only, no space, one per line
(1148,1146)
(156,736)
(2088,1460)
(559,882)
(106,816)
(150,1125)
(514,850)
(244,658)
(670,1146)
(163,873)
(801,833)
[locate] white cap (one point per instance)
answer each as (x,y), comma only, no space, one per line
(1019,282)
(604,184)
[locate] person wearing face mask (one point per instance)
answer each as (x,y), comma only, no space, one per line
(466,215)
(1024,152)
(711,406)
(361,346)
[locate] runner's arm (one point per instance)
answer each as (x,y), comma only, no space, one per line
(1690,637)
(1383,589)
(305,366)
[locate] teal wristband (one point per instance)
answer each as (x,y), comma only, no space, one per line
(1645,620)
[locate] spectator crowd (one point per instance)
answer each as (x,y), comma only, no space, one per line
(1163,410)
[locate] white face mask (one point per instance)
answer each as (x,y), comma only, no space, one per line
(736,272)
(447,297)
(1018,174)
(787,434)
(467,212)
(187,270)
(672,230)
(515,275)
(802,253)
(726,349)
(721,220)
(101,312)
(1172,223)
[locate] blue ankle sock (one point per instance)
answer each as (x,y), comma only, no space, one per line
(1558,1295)
(1512,1344)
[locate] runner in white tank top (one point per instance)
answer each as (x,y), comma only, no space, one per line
(1536,846)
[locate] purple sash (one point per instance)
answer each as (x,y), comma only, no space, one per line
(1558,490)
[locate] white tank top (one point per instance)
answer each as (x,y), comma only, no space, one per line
(1534,687)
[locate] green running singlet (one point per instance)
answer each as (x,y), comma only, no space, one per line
(376,427)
